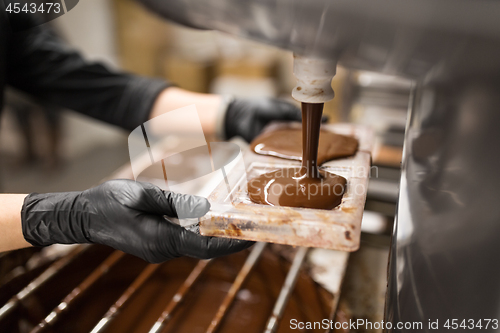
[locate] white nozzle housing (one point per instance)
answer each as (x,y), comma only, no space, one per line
(314,79)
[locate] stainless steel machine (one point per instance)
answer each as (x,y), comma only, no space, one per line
(444,258)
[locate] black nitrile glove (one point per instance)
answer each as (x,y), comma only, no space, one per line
(247,117)
(125,215)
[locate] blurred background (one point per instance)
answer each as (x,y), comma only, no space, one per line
(45,149)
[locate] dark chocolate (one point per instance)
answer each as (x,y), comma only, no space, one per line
(307,186)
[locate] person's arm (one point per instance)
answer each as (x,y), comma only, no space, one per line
(226,116)
(208,106)
(43,66)
(40,64)
(11,232)
(126,215)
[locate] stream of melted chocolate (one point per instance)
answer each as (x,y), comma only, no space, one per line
(305,186)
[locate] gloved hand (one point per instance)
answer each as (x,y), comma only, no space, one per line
(247,117)
(125,215)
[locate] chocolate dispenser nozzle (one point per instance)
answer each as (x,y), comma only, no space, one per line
(314,79)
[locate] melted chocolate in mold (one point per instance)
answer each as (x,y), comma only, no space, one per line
(290,187)
(286,142)
(307,186)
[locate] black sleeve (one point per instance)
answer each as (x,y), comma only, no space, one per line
(41,65)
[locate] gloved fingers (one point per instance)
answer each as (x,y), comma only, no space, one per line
(203,247)
(140,196)
(187,206)
(283,110)
(149,198)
